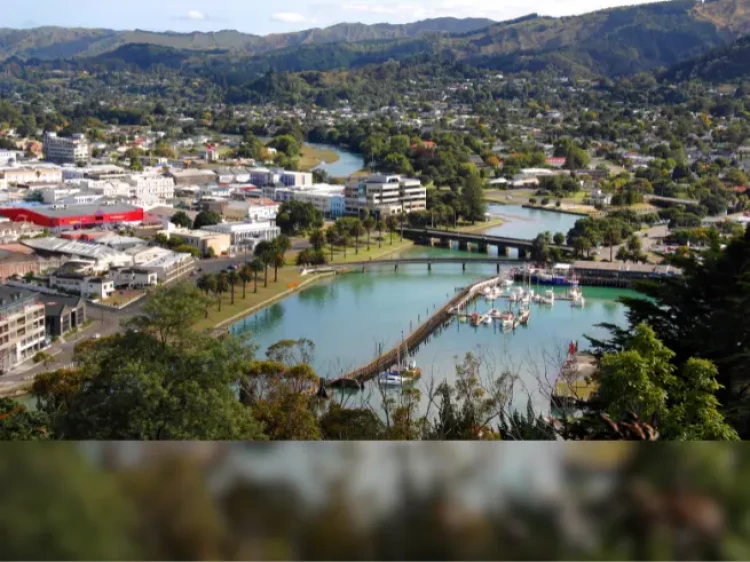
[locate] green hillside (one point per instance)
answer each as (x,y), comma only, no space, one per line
(58,43)
(724,64)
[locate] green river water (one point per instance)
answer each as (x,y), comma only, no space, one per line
(351,316)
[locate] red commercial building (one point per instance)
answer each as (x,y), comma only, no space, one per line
(75,216)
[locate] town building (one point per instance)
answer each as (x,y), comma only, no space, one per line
(205,241)
(384,195)
(192,176)
(168,266)
(134,277)
(12,231)
(100,257)
(328,199)
(22,326)
(74,216)
(16,259)
(62,314)
(31,175)
(150,189)
(81,284)
(245,235)
(66,150)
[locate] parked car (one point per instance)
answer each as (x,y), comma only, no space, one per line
(232,268)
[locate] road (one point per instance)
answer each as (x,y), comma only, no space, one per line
(105,322)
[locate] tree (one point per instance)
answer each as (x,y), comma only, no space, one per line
(44,358)
(559,239)
(640,379)
(130,386)
(286,144)
(232,278)
(257,266)
(342,424)
(297,216)
(581,246)
(181,219)
(611,239)
(369,223)
(317,239)
(577,158)
(355,231)
(277,260)
(169,312)
(380,225)
(264,251)
(391,223)
(221,286)
(246,275)
(18,423)
(207,284)
(331,238)
(472,196)
(206,218)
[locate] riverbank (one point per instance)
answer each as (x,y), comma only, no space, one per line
(290,280)
(313,156)
(564,211)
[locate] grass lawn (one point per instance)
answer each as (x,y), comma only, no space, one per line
(312,156)
(287,275)
(479,226)
(117,299)
(365,255)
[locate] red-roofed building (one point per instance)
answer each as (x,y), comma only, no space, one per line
(556,162)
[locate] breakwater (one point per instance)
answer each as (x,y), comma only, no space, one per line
(441,317)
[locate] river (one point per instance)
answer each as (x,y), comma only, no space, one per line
(348,163)
(350,316)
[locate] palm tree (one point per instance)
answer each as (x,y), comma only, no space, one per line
(401,220)
(356,230)
(263,251)
(256,266)
(246,275)
(380,225)
(277,261)
(345,239)
(611,238)
(368,224)
(233,278)
(207,284)
(283,243)
(221,286)
(390,223)
(331,238)
(317,239)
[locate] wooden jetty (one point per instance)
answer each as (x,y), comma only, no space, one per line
(418,336)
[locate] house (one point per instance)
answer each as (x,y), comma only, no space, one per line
(134,277)
(62,314)
(205,241)
(598,197)
(83,285)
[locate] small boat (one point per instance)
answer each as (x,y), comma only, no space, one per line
(508,283)
(393,378)
(487,320)
(495,313)
(548,298)
(523,318)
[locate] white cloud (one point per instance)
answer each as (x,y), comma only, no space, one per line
(289,17)
(196,15)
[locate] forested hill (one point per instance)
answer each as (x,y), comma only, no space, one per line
(611,42)
(60,43)
(724,64)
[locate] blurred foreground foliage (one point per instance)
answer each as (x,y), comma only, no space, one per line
(183,502)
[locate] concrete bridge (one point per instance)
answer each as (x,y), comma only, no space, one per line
(467,240)
(497,261)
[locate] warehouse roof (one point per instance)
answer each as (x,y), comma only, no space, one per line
(80,210)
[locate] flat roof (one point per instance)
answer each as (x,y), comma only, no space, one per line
(79,210)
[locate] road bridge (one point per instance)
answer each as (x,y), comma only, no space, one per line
(396,262)
(466,240)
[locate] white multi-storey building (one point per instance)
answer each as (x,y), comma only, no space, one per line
(244,235)
(22,331)
(150,188)
(64,150)
(385,195)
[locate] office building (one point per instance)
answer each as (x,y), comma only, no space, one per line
(22,326)
(384,195)
(245,235)
(204,240)
(62,314)
(66,150)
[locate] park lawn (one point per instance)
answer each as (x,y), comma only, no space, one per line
(117,299)
(311,156)
(479,226)
(364,254)
(287,275)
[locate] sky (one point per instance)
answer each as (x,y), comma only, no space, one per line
(281,16)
